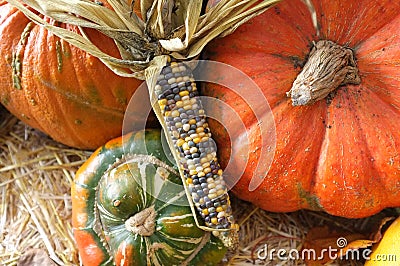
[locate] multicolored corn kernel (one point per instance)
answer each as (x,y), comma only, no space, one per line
(186,123)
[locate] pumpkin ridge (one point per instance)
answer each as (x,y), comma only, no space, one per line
(361,42)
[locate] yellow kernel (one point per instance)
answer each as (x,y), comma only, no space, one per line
(183,93)
(207,170)
(162,102)
(201,174)
(214,220)
(179,104)
(182,68)
(175,113)
(196,140)
(203,160)
(199,129)
(205,165)
(219,209)
(192,121)
(185,146)
(189,181)
(220,172)
(180,142)
(205,211)
(193,172)
(167,113)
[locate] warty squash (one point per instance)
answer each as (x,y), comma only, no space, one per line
(129,208)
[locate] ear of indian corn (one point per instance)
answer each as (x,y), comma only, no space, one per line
(186,124)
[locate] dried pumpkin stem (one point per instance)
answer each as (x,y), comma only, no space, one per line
(329,66)
(142,223)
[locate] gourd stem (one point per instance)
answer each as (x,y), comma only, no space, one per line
(142,223)
(329,66)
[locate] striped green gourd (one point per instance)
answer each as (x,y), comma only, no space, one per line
(129,208)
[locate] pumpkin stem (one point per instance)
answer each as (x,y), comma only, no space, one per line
(142,223)
(329,66)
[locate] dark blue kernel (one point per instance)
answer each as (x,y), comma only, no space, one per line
(175,90)
(162,82)
(169,75)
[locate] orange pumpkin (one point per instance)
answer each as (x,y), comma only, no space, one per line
(340,154)
(56,87)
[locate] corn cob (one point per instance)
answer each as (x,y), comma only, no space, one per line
(186,124)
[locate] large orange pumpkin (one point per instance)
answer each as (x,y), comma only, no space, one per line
(340,154)
(56,87)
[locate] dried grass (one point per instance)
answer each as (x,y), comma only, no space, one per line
(35,211)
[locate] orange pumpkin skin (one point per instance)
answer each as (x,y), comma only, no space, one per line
(56,87)
(342,157)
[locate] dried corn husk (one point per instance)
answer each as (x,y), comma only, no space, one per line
(169,27)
